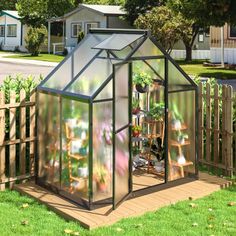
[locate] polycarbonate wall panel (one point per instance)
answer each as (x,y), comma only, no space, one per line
(121,165)
(75,148)
(148,48)
(176,80)
(92,78)
(102,150)
(85,53)
(48,139)
(106,92)
(121,95)
(61,77)
(181,134)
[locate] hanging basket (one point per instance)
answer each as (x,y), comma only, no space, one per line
(141,89)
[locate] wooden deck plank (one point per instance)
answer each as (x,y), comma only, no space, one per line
(132,207)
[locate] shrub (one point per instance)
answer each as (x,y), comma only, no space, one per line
(36,36)
(80,36)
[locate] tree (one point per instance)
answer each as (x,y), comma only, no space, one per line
(8,5)
(135,8)
(105,2)
(36,36)
(165,26)
(36,12)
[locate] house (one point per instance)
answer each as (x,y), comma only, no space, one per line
(229,35)
(85,17)
(12,31)
(201,47)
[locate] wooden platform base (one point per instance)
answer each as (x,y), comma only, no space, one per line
(132,207)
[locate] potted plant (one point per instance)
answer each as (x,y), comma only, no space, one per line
(101,178)
(181,137)
(177,119)
(157,111)
(181,159)
(83,169)
(142,80)
(135,106)
(136,130)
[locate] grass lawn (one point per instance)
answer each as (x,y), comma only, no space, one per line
(207,216)
(196,68)
(41,57)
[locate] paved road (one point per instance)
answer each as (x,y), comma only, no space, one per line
(7,68)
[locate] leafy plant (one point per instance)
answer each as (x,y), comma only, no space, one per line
(135,103)
(136,128)
(157,111)
(36,36)
(101,175)
(80,36)
(142,78)
(182,135)
(175,113)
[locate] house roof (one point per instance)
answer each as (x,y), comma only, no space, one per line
(13,14)
(106,10)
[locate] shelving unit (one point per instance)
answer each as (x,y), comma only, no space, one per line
(77,157)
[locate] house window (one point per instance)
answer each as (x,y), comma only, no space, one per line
(232,31)
(201,36)
(11,30)
(90,25)
(2,30)
(75,29)
(207,32)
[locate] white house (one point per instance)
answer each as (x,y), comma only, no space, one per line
(11,30)
(85,17)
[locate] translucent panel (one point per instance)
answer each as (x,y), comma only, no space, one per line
(82,55)
(176,80)
(148,48)
(49,139)
(155,68)
(121,96)
(61,77)
(92,78)
(102,150)
(118,41)
(181,149)
(106,92)
(121,165)
(75,148)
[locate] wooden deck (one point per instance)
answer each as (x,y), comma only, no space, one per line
(133,207)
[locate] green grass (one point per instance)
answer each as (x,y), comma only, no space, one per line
(196,68)
(41,57)
(210,216)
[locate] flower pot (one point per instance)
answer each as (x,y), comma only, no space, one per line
(159,167)
(83,172)
(83,151)
(135,111)
(102,187)
(181,140)
(141,89)
(176,124)
(136,133)
(181,160)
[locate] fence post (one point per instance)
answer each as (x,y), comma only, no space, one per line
(223,128)
(22,133)
(32,134)
(216,124)
(12,149)
(2,138)
(229,131)
(200,122)
(208,123)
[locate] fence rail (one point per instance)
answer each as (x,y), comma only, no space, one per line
(217,128)
(17,135)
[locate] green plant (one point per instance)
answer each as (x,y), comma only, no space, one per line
(101,175)
(135,150)
(36,36)
(175,113)
(157,111)
(80,36)
(136,128)
(135,103)
(182,135)
(142,78)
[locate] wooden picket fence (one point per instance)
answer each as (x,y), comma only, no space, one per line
(217,141)
(17,136)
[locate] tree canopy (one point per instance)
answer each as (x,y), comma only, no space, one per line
(8,5)
(36,12)
(135,8)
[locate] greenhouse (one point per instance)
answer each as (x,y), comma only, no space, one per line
(115,117)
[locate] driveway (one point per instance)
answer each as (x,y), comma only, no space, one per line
(13,68)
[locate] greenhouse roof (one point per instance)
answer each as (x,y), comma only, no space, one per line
(89,67)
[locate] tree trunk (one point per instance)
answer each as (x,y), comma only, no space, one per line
(188,49)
